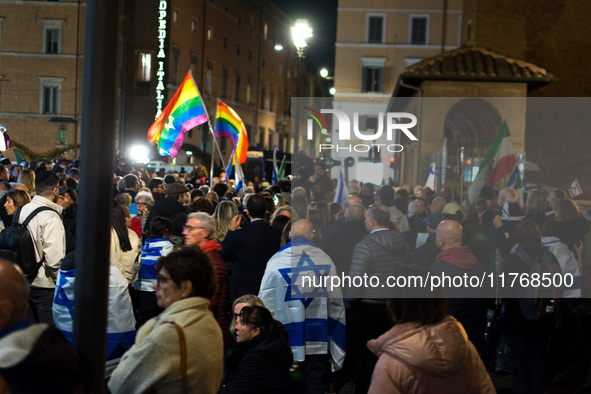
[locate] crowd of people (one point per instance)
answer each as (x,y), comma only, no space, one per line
(217,290)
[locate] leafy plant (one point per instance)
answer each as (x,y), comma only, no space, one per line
(50,155)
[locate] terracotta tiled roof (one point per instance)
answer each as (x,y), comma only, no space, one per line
(470,63)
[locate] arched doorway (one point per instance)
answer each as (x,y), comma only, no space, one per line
(471,123)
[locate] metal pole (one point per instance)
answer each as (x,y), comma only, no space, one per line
(417,158)
(296,129)
(94,209)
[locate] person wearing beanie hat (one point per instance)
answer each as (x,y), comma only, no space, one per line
(169,179)
(175,203)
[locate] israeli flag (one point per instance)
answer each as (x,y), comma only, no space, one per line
(240,181)
(341,194)
(575,189)
(431,178)
(313,315)
(153,249)
(120,320)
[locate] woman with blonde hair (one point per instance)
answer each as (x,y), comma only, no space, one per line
(238,304)
(222,216)
(199,176)
(27,178)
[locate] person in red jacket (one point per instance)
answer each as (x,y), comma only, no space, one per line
(198,231)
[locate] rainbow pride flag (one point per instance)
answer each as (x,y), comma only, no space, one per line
(183,112)
(228,124)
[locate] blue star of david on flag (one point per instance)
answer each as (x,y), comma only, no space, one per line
(305,264)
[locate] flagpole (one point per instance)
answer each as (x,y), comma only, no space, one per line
(217,146)
(215,142)
(212,157)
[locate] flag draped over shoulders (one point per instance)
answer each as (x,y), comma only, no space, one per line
(184,112)
(228,124)
(120,320)
(312,312)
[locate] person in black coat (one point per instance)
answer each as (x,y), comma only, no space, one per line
(247,250)
(260,357)
(526,338)
(463,302)
(339,245)
(426,254)
(171,206)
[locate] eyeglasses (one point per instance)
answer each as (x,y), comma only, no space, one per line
(143,204)
(162,280)
(193,228)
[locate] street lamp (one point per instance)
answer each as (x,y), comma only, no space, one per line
(299,33)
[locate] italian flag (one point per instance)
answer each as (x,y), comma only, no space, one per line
(498,162)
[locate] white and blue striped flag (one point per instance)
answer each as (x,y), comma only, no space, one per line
(240,181)
(341,191)
(431,178)
(120,320)
(575,189)
(275,179)
(515,184)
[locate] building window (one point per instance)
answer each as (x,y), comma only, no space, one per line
(250,54)
(176,53)
(248,91)
(50,99)
(224,83)
(208,78)
(225,42)
(238,49)
(193,64)
(265,31)
(52,36)
(280,70)
(194,26)
(263,62)
(50,95)
(373,74)
(419,29)
(270,139)
(375,29)
(237,88)
(372,79)
(144,72)
(210,33)
(175,16)
(240,16)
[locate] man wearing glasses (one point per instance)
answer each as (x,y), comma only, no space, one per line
(198,231)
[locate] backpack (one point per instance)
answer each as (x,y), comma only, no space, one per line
(539,304)
(17,239)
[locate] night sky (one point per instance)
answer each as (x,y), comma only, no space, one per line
(322,17)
